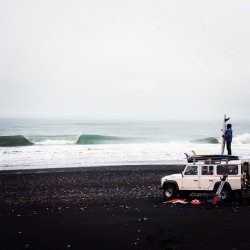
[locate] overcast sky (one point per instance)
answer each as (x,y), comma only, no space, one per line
(133,59)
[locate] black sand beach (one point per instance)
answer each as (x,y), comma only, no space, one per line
(111,208)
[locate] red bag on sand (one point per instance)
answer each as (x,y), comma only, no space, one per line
(196,202)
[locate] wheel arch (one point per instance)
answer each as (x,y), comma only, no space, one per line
(174,183)
(217,184)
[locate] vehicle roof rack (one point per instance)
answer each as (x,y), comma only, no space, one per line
(213,158)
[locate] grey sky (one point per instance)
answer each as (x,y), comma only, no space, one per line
(133,59)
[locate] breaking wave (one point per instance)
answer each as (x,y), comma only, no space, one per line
(98,139)
(87,139)
(244,139)
(210,140)
(14,141)
(53,139)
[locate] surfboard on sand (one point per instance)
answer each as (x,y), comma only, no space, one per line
(224,127)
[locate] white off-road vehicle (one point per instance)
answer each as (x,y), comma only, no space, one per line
(203,174)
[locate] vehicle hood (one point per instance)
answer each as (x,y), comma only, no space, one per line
(171,177)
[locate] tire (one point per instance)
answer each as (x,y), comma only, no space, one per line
(225,193)
(169,191)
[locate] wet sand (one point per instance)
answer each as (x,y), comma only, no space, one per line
(111,208)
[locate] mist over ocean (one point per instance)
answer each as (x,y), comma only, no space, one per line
(72,143)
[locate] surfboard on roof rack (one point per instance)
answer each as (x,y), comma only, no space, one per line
(232,157)
(215,157)
(212,157)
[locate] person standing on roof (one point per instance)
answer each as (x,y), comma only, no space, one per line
(228,138)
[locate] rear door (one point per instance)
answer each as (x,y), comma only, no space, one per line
(233,172)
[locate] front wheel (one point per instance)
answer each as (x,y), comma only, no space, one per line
(169,191)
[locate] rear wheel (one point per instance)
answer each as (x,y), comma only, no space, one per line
(169,191)
(225,193)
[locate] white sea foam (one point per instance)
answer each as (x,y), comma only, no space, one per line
(52,156)
(136,144)
(55,142)
(244,139)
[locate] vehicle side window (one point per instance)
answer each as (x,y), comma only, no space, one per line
(227,169)
(207,170)
(191,170)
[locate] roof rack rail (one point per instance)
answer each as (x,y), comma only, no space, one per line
(212,158)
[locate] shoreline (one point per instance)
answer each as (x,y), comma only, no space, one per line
(94,168)
(113,207)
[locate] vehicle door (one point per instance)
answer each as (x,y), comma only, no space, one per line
(207,178)
(190,178)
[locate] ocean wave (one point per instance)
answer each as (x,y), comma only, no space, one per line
(14,141)
(87,139)
(53,139)
(84,139)
(98,139)
(244,139)
(210,140)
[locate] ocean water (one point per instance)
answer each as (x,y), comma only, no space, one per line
(72,143)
